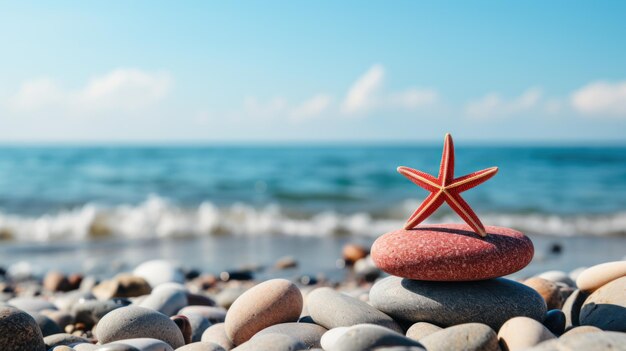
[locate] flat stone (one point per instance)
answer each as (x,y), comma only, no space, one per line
(332,309)
(601,341)
(201,346)
(213,314)
(594,277)
(63,339)
(166,298)
(555,321)
(157,272)
(549,290)
(91,311)
(19,331)
(452,252)
(491,302)
(268,303)
(309,334)
(368,336)
(605,308)
(140,344)
(271,342)
(469,337)
(421,329)
(216,334)
(520,333)
(132,322)
(571,307)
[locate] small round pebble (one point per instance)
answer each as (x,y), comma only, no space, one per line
(605,308)
(19,331)
(558,277)
(122,285)
(522,332)
(555,321)
(421,329)
(469,337)
(268,303)
(216,334)
(330,337)
(368,336)
(594,277)
(166,298)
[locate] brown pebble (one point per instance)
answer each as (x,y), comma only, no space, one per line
(182,322)
(548,290)
(122,285)
(353,252)
(70,328)
(56,281)
(74,280)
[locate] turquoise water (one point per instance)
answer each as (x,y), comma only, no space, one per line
(57,193)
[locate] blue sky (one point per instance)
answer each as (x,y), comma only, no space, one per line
(148,71)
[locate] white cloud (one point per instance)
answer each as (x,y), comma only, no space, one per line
(366,95)
(121,89)
(254,107)
(493,105)
(601,99)
(312,107)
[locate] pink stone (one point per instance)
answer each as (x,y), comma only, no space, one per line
(452,252)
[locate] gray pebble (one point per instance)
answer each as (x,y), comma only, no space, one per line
(138,344)
(309,334)
(606,307)
(47,325)
(468,337)
(362,337)
(91,311)
(62,339)
(213,314)
(201,346)
(198,325)
(217,334)
(31,304)
(271,342)
(166,298)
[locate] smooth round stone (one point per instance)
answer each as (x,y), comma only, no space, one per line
(19,331)
(31,304)
(594,277)
(369,336)
(555,321)
(602,341)
(272,342)
(332,309)
(606,307)
(268,303)
(157,272)
(63,339)
(198,325)
(421,329)
(213,314)
(91,347)
(166,298)
(549,290)
(452,252)
(201,346)
(469,337)
(581,330)
(91,311)
(571,307)
(47,325)
(132,322)
(520,333)
(490,302)
(309,334)
(216,334)
(122,285)
(141,344)
(330,337)
(558,277)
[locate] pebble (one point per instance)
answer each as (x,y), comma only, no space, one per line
(157,272)
(558,277)
(353,252)
(421,329)
(332,309)
(452,252)
(65,302)
(522,332)
(213,314)
(469,337)
(47,325)
(140,344)
(605,308)
(63,339)
(490,302)
(594,277)
(63,348)
(571,307)
(56,281)
(90,347)
(138,322)
(216,334)
(198,325)
(201,346)
(555,321)
(31,304)
(602,341)
(369,336)
(268,303)
(19,331)
(366,270)
(549,290)
(309,334)
(227,296)
(272,342)
(122,285)
(167,298)
(582,329)
(183,324)
(199,300)
(90,312)
(330,337)
(286,262)
(61,318)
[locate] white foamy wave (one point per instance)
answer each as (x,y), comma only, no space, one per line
(158,218)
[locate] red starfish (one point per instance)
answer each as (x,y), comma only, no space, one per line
(447,188)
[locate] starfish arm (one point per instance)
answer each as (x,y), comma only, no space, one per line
(428,206)
(422,179)
(446,169)
(471,180)
(463,209)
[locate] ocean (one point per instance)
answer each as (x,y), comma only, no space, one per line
(65,199)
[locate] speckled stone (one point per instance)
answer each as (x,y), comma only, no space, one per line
(451,252)
(549,290)
(332,309)
(217,334)
(555,321)
(309,334)
(62,339)
(141,344)
(213,314)
(520,333)
(166,298)
(421,329)
(602,341)
(606,307)
(271,342)
(594,277)
(490,302)
(369,336)
(571,307)
(201,346)
(138,322)
(19,331)
(468,337)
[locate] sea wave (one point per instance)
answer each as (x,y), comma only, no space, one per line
(158,218)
